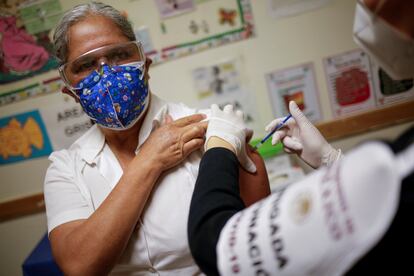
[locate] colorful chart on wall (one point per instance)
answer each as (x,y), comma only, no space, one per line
(389,91)
(222,83)
(22,137)
(294,84)
(175,28)
(25,46)
(350,83)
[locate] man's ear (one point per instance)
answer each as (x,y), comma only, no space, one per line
(66,91)
(148,63)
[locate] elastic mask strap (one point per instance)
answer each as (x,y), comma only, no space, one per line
(65,81)
(73,92)
(139,65)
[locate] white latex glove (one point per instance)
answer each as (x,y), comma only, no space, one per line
(300,136)
(229,126)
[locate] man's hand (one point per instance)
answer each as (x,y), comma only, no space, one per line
(172,142)
(228,124)
(300,136)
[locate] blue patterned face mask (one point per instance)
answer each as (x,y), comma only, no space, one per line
(116,97)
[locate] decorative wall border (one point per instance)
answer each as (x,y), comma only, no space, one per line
(184,49)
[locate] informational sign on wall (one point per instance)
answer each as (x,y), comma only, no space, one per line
(389,91)
(65,122)
(294,84)
(37,133)
(22,137)
(350,84)
(221,83)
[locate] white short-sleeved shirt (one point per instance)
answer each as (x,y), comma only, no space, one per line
(80,178)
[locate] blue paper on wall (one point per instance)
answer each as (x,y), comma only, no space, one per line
(22,137)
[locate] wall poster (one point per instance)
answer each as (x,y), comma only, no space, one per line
(297,84)
(221,83)
(350,84)
(389,91)
(65,121)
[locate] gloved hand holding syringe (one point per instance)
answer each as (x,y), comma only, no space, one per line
(277,127)
(298,135)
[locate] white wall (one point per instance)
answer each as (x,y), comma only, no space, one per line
(278,44)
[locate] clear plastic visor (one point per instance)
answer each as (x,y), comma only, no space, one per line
(117,54)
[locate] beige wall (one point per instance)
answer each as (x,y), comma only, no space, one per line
(279,44)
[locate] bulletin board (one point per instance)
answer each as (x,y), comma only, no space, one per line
(202,25)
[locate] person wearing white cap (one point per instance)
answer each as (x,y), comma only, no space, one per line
(349,215)
(321,225)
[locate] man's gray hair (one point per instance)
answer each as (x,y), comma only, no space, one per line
(79,12)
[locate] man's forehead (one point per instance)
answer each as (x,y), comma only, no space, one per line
(92,33)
